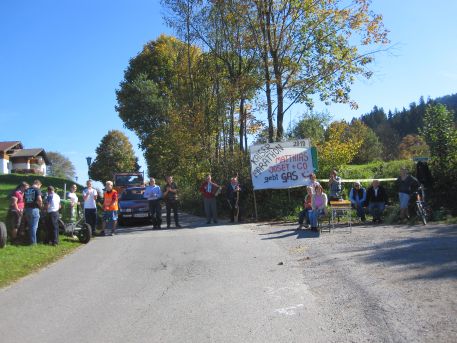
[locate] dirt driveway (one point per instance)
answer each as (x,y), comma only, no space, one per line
(378,283)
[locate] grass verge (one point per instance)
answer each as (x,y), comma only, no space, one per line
(17,261)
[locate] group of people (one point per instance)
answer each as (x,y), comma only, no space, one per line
(28,204)
(209,190)
(372,200)
(169,194)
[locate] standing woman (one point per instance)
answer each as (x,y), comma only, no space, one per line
(319,205)
(17,209)
(405,184)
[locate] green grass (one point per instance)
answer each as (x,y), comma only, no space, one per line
(17,261)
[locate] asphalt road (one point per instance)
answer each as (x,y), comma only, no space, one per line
(244,283)
(196,284)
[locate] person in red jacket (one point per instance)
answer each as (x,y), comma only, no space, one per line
(209,190)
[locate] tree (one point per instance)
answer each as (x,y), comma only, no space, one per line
(61,166)
(413,146)
(313,49)
(312,126)
(441,136)
(371,148)
(340,147)
(114,155)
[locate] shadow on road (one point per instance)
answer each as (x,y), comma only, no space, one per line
(290,232)
(434,256)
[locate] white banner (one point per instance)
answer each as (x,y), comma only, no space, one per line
(282,165)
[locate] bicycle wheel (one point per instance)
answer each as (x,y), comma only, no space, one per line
(421,212)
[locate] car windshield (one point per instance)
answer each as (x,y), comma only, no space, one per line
(132,194)
(126,180)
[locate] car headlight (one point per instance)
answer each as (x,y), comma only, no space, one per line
(126,210)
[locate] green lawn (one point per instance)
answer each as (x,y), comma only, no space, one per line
(17,261)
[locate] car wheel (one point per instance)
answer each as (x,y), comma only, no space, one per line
(3,234)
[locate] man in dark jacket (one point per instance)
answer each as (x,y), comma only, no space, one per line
(376,198)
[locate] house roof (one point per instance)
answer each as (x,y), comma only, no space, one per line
(31,153)
(5,146)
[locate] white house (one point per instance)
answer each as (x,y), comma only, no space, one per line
(15,159)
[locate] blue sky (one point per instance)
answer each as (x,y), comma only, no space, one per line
(61,61)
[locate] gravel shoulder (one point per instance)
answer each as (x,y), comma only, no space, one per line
(378,283)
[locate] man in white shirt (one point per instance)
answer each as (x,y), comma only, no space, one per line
(90,206)
(74,202)
(153,193)
(52,207)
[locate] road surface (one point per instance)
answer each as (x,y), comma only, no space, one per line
(239,283)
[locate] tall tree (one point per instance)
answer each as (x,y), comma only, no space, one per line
(313,48)
(441,136)
(114,155)
(61,165)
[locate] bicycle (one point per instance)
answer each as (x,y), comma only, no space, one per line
(420,206)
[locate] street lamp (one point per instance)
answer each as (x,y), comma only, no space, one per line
(89,161)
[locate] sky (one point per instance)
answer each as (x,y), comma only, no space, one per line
(62,60)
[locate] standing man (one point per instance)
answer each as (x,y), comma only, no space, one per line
(110,208)
(33,203)
(170,195)
(90,206)
(154,194)
(233,198)
(376,198)
(334,186)
(358,195)
(406,184)
(52,207)
(209,191)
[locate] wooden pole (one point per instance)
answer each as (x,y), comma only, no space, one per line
(255,205)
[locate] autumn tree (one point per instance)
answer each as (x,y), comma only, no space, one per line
(340,147)
(61,166)
(114,155)
(413,146)
(313,48)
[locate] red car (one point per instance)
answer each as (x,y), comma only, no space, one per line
(133,206)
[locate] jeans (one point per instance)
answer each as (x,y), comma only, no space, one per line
(52,223)
(304,216)
(33,217)
(90,215)
(314,216)
(360,210)
(172,205)
(155,211)
(210,209)
(376,209)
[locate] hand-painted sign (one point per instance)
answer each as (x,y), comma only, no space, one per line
(282,164)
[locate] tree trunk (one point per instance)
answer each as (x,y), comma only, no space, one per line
(242,123)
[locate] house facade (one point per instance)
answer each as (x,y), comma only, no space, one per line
(15,159)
